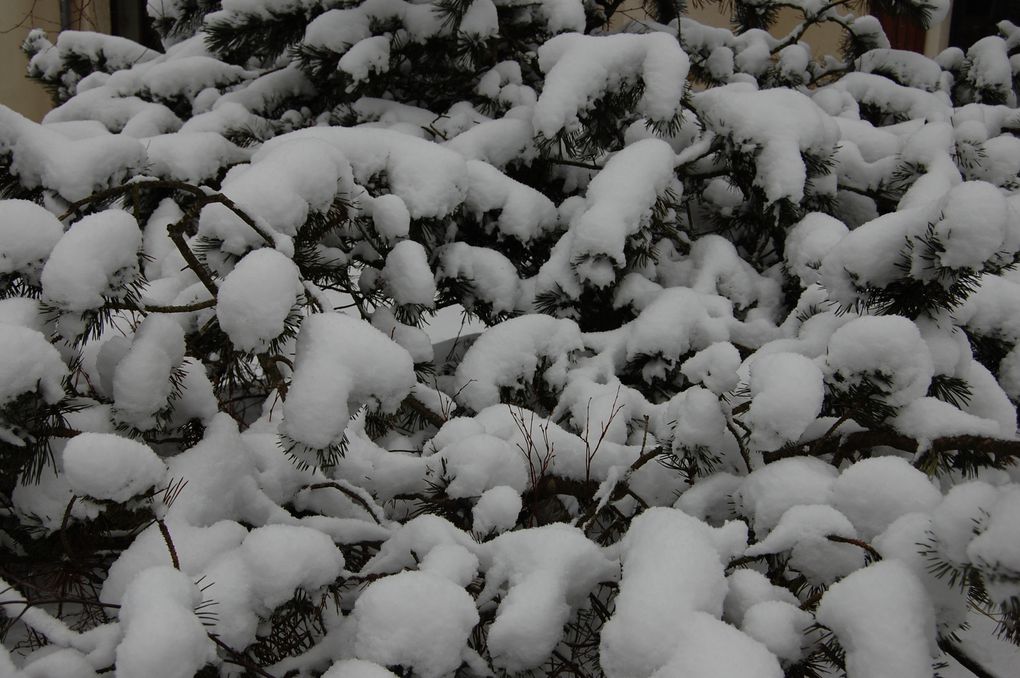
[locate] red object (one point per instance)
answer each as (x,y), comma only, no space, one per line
(902,31)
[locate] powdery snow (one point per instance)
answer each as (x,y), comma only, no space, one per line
(257,298)
(93,260)
(163,637)
(341,364)
(107,466)
(414,619)
(882,617)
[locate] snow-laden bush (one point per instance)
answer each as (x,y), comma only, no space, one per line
(737,396)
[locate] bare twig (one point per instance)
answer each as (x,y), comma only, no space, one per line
(169,543)
(353,496)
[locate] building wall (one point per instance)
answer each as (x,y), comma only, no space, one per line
(17,18)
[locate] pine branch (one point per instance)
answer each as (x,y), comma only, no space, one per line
(1002,449)
(965,660)
(353,496)
(423,411)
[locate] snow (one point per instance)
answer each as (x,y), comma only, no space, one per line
(929,418)
(74,168)
(413,340)
(884,351)
(480,463)
(509,353)
(580,69)
(677,322)
(718,267)
(257,299)
(414,619)
(28,362)
(370,54)
(779,626)
(413,540)
(453,562)
(767,493)
(196,547)
(882,617)
(809,241)
(283,558)
(787,393)
(996,548)
(93,260)
(192,157)
(706,647)
(619,202)
(671,569)
(524,212)
(714,366)
(493,277)
(430,179)
(875,492)
(496,510)
(804,531)
(217,474)
(249,581)
(698,417)
(163,637)
(30,232)
(548,569)
(107,466)
(782,122)
(283,184)
(408,275)
(390,215)
(973,225)
(747,588)
(357,668)
(341,364)
(169,78)
(143,378)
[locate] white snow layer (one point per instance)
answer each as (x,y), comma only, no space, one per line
(884,620)
(341,364)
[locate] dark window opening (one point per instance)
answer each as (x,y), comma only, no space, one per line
(976,19)
(903,31)
(128,19)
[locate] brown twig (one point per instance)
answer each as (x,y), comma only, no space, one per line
(353,496)
(859,441)
(240,658)
(968,662)
(63,528)
(422,410)
(875,555)
(169,543)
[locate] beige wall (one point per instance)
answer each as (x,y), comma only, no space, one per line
(17,18)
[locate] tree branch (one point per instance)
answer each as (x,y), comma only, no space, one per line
(968,662)
(860,441)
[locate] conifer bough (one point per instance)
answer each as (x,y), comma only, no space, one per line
(472,337)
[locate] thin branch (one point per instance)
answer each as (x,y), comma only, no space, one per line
(968,662)
(353,496)
(574,163)
(169,543)
(155,308)
(200,195)
(240,658)
(860,441)
(875,555)
(423,411)
(176,233)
